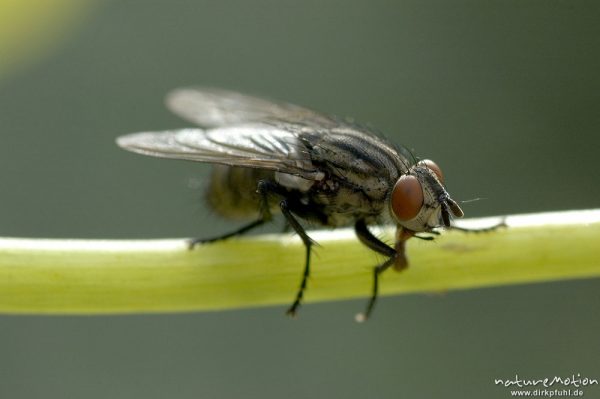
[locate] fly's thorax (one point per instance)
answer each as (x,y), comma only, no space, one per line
(293,182)
(419,200)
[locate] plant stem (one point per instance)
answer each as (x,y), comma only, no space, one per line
(52,276)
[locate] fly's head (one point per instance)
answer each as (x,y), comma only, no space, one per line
(419,202)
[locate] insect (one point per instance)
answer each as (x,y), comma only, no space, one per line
(272,156)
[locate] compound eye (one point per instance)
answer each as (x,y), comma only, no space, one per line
(407,198)
(434,168)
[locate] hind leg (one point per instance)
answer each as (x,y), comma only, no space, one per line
(264,189)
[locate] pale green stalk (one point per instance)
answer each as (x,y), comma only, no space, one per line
(48,276)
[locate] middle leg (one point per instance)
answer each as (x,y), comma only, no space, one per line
(308,243)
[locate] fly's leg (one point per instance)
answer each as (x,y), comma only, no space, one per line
(263,189)
(240,231)
(497,226)
(377,270)
(427,238)
(308,243)
(374,243)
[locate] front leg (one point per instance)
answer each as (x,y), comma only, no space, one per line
(497,226)
(396,258)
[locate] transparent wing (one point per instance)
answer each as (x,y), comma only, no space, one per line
(210,107)
(256,145)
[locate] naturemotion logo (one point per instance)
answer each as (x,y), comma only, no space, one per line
(560,386)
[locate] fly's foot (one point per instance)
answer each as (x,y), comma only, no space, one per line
(360,318)
(198,241)
(292,312)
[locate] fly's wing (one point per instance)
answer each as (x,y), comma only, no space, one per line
(248,131)
(210,107)
(255,145)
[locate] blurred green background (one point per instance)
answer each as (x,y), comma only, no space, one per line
(504,95)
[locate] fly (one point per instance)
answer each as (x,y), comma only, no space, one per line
(272,156)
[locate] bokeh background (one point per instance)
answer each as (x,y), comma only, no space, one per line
(504,95)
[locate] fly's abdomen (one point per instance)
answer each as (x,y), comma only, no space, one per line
(232,191)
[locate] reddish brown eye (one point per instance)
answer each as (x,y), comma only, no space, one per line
(436,169)
(407,198)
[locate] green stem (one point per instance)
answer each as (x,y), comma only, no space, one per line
(47,276)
